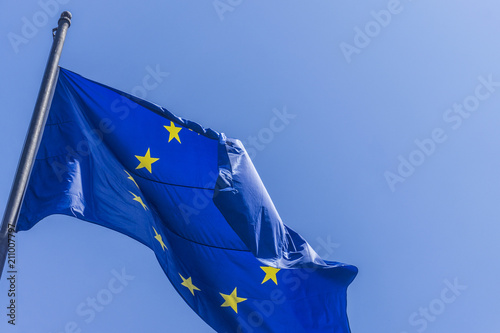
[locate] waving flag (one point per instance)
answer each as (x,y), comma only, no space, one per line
(192,196)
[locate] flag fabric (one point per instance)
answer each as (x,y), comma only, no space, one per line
(193,196)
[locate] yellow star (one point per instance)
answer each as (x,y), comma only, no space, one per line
(189,284)
(131,178)
(270,274)
(159,239)
(232,300)
(146,161)
(193,131)
(139,200)
(174,132)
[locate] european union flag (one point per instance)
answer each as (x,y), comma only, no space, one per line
(192,196)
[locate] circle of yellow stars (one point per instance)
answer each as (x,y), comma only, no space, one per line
(230,300)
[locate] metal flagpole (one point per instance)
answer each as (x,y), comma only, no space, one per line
(33,137)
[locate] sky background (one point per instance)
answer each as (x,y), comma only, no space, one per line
(378,167)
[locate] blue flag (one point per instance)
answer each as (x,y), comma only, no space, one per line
(192,196)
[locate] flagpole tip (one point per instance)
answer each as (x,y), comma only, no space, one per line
(65,16)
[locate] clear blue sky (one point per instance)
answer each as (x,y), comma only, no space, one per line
(391,161)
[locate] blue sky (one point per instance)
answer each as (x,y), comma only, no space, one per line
(389,160)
